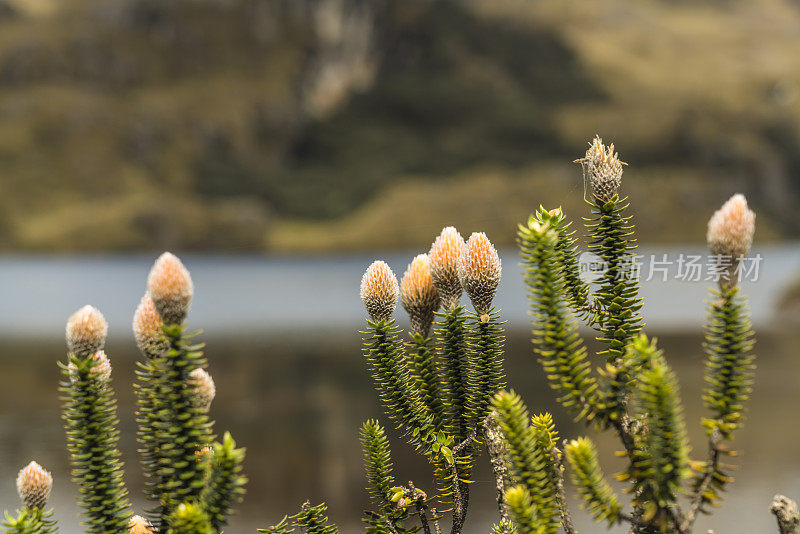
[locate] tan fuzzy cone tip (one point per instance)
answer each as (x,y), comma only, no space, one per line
(418,295)
(101,370)
(479,270)
(140,525)
(603,168)
(33,485)
(147,329)
(203,388)
(730,233)
(444,255)
(379,291)
(731,228)
(86,332)
(170,286)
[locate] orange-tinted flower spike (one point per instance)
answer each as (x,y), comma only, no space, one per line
(444,254)
(730,235)
(479,270)
(140,525)
(203,388)
(86,332)
(33,485)
(418,295)
(170,286)
(147,329)
(379,291)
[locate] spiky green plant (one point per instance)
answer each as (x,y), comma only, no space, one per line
(34,484)
(555,336)
(436,389)
(378,465)
(423,370)
(634,392)
(309,520)
(181,427)
(485,341)
(29,521)
(590,481)
(192,483)
(90,417)
(224,485)
(189,518)
(533,461)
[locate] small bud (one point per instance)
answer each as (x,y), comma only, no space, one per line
(444,255)
(203,388)
(379,291)
(730,235)
(170,286)
(731,228)
(603,167)
(86,332)
(33,485)
(147,329)
(140,525)
(479,270)
(101,370)
(418,296)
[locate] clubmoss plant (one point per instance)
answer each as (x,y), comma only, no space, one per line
(634,392)
(445,392)
(443,389)
(192,482)
(34,484)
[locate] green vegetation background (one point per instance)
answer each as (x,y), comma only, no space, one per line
(304,125)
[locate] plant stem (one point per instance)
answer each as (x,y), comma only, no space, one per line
(493,438)
(785,511)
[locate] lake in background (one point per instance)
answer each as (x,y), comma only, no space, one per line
(292,387)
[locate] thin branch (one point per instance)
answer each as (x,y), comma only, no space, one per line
(389,523)
(493,438)
(626,429)
(460,494)
(419,502)
(708,477)
(436,517)
(566,518)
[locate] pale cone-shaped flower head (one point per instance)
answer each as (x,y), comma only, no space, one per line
(101,370)
(170,286)
(379,291)
(444,254)
(731,228)
(603,168)
(86,332)
(730,235)
(33,485)
(140,525)
(418,295)
(479,270)
(203,388)
(147,329)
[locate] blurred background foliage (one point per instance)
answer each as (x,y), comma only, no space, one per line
(304,125)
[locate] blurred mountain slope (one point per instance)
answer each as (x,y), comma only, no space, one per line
(310,125)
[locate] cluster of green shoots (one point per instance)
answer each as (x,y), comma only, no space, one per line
(192,482)
(443,387)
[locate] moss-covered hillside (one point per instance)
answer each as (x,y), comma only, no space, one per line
(302,125)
